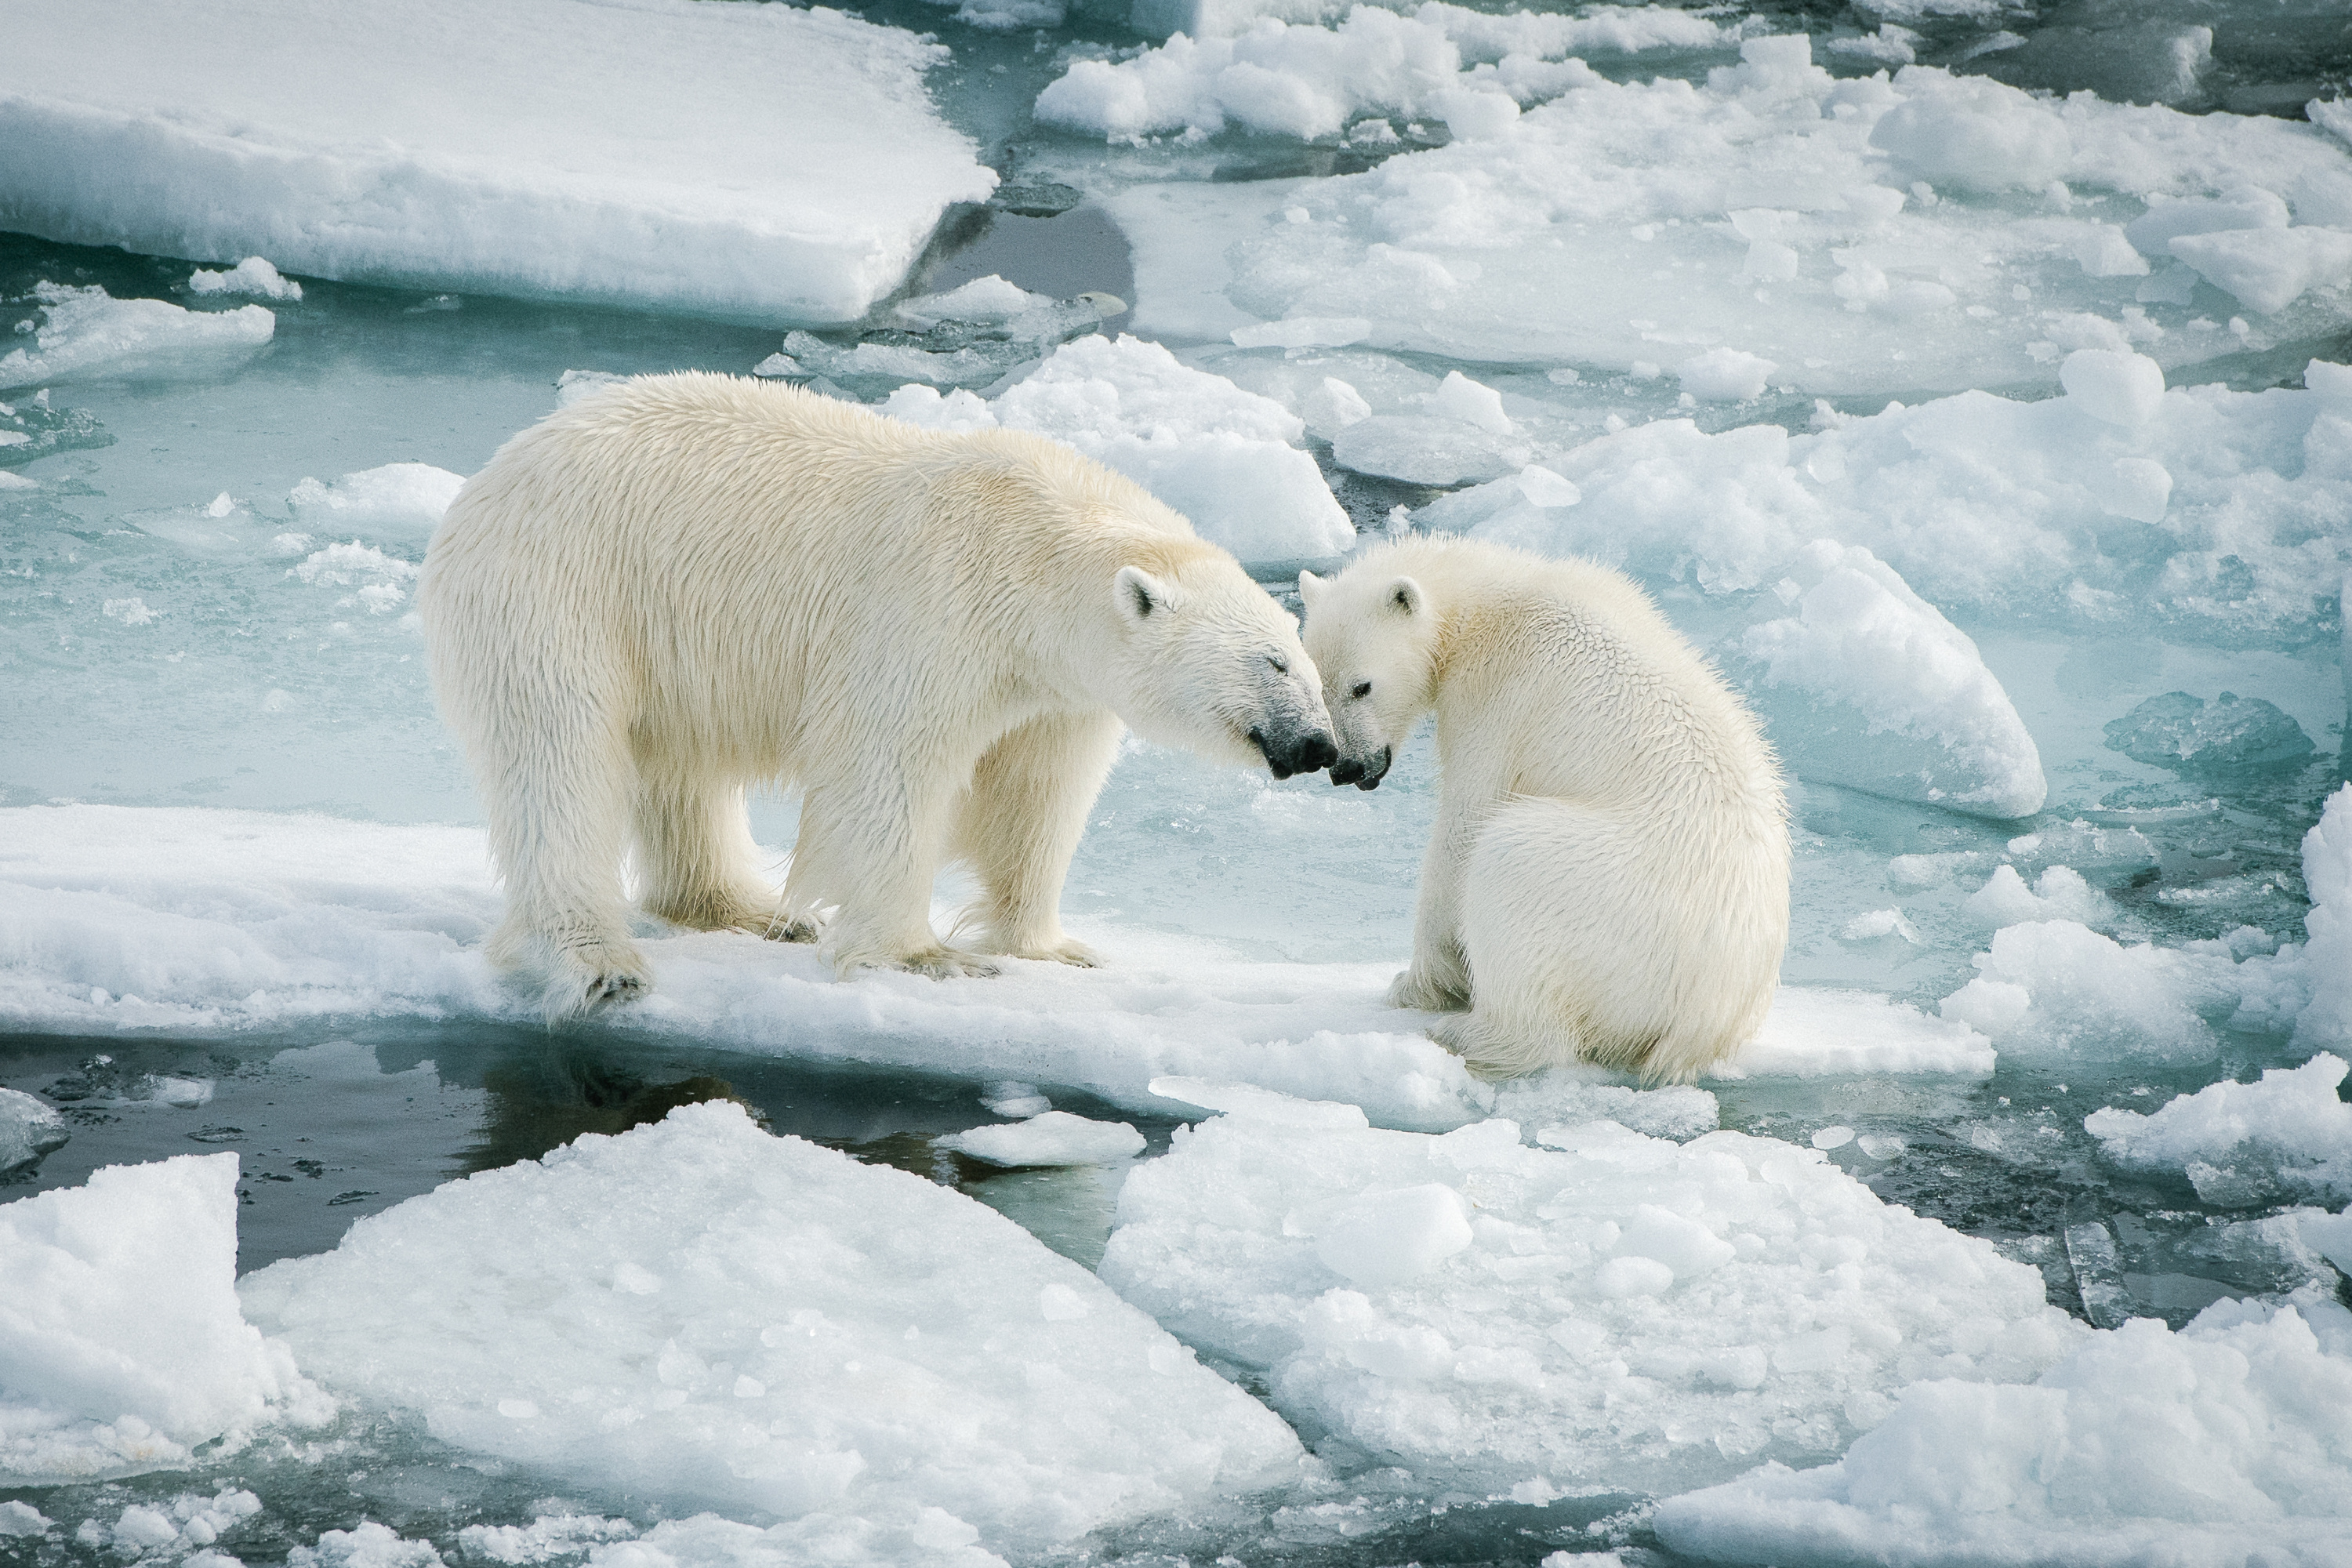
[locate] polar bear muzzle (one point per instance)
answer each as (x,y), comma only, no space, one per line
(1295,749)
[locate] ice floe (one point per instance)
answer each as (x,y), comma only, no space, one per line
(87,332)
(1049,1137)
(104,1373)
(776,163)
(703,1312)
(399,501)
(1922,233)
(1607,1312)
(118,918)
(2214,1445)
(253,276)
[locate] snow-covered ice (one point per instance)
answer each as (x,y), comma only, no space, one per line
(1604,1313)
(253,276)
(87,332)
(402,502)
(2214,1445)
(189,920)
(704,1312)
(102,1371)
(763,163)
(29,1129)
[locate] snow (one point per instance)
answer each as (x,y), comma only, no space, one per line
(399,501)
(254,276)
(2216,1444)
(1217,454)
(1771,177)
(1609,1311)
(195,920)
(769,163)
(930,1535)
(86,333)
(103,1374)
(2285,1137)
(369,1545)
(1051,1138)
(820,1337)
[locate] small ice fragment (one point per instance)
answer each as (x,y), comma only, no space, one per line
(1009,1097)
(252,276)
(2183,732)
(1878,923)
(1386,1238)
(1334,405)
(1834,1138)
(1049,1137)
(131,612)
(1472,402)
(2117,387)
(2098,1274)
(22,1519)
(1881,1147)
(1622,1277)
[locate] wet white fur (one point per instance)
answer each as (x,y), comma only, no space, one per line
(1609,875)
(696,584)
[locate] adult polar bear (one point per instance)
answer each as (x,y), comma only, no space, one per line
(693,584)
(1609,875)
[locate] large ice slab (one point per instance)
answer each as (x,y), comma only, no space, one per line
(85,333)
(703,1312)
(1609,1312)
(768,163)
(114,918)
(1927,232)
(2206,1449)
(122,1345)
(2286,1136)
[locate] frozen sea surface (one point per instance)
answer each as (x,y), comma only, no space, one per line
(1988,420)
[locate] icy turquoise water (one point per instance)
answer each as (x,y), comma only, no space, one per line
(242,679)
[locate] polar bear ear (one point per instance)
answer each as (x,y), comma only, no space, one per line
(1140,596)
(1310,588)
(1405,596)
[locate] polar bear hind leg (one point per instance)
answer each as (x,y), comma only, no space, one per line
(1563,928)
(1020,824)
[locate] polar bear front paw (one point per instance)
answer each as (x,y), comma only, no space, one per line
(1418,990)
(1069,950)
(945,963)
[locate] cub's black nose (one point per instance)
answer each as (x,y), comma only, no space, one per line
(1347,773)
(1378,770)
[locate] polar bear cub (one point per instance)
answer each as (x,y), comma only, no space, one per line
(692,583)
(1608,880)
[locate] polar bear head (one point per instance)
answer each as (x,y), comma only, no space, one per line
(1208,661)
(1374,639)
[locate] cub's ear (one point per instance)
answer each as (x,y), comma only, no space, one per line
(1140,596)
(1310,588)
(1405,596)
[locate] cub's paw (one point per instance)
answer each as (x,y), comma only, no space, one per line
(1418,990)
(594,976)
(1069,950)
(944,964)
(786,927)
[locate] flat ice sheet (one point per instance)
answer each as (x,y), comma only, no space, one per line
(765,163)
(190,920)
(706,1314)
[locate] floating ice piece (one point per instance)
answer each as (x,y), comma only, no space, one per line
(371,1545)
(398,500)
(252,276)
(160,1530)
(103,1374)
(1332,406)
(1427,449)
(88,333)
(2269,269)
(900,1337)
(1052,1138)
(548,1536)
(1217,454)
(2057,994)
(2201,1449)
(21,1519)
(2178,730)
(1724,375)
(2327,874)
(774,164)
(1973,132)
(2060,893)
(1868,685)
(1627,1314)
(2121,388)
(30,1130)
(988,299)
(2285,1138)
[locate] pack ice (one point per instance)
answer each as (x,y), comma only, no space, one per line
(1927,232)
(104,1371)
(705,1313)
(753,162)
(1607,1312)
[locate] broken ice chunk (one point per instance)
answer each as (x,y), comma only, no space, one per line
(2188,733)
(1052,1138)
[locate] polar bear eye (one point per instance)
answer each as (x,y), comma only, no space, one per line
(1363,689)
(1279,667)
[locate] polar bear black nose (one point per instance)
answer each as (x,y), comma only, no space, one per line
(1302,753)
